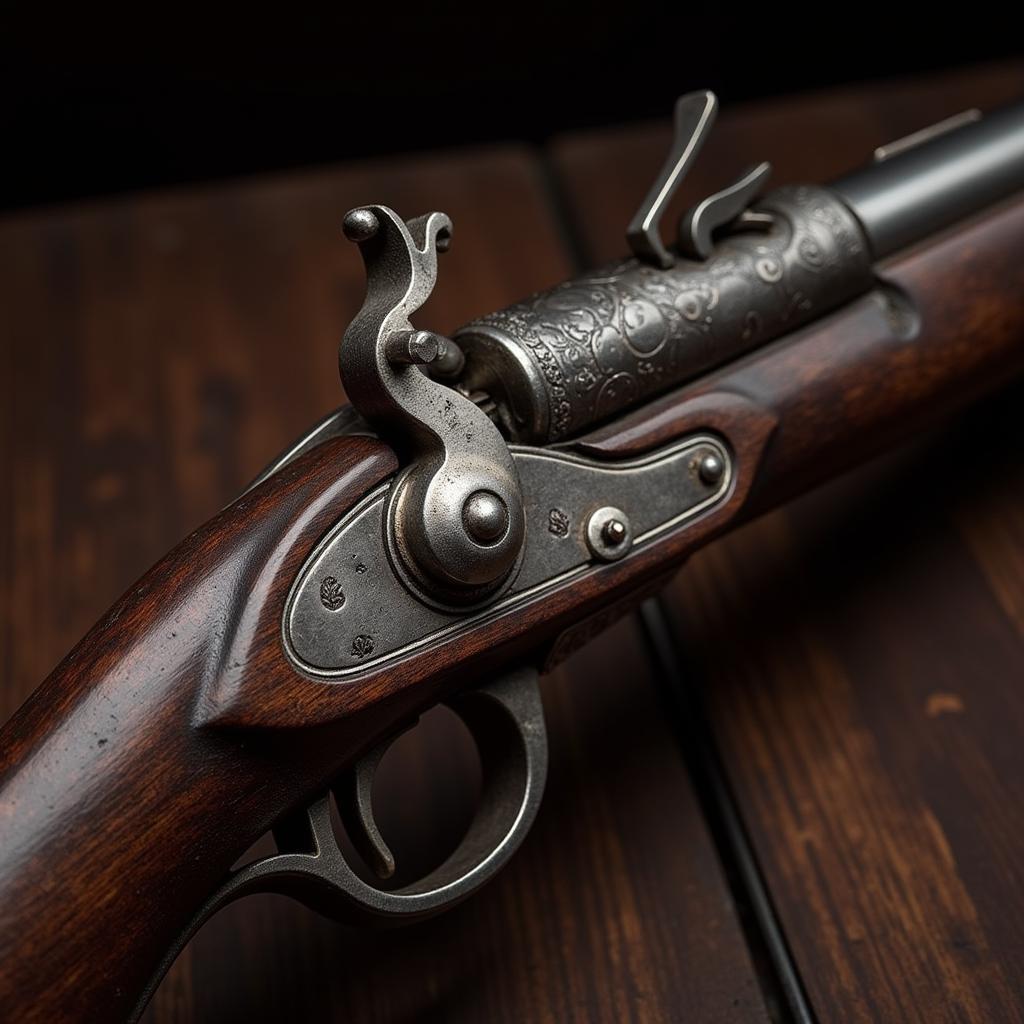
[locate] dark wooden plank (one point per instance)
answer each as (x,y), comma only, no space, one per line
(156,352)
(863,682)
(859,655)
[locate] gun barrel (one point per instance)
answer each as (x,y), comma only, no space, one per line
(924,188)
(580,353)
(561,361)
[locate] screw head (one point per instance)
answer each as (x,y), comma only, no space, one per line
(614,532)
(711,468)
(609,534)
(485,517)
(360,224)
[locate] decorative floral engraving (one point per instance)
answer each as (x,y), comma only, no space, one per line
(627,331)
(362,645)
(558,523)
(331,595)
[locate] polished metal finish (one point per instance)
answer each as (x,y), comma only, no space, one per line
(727,207)
(609,536)
(614,531)
(452,450)
(565,359)
(586,350)
(694,115)
(485,517)
(933,131)
(650,495)
(930,185)
(710,468)
(520,384)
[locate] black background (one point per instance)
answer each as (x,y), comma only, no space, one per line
(162,94)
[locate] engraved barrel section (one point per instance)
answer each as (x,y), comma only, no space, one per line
(565,359)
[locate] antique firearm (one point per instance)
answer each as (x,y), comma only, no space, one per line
(486,504)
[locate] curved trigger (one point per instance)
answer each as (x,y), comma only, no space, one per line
(695,113)
(354,797)
(728,206)
(507,721)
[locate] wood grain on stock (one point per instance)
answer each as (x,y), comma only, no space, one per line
(106,779)
(157,350)
(859,654)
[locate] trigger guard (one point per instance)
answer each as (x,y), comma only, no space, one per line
(507,722)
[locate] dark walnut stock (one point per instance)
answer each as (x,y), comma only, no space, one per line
(120,812)
(177,732)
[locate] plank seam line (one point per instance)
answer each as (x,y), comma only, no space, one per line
(770,955)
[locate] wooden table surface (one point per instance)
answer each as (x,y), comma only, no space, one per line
(791,790)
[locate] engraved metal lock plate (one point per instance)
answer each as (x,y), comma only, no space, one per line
(381,617)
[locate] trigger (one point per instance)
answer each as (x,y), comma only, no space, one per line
(727,207)
(355,805)
(506,719)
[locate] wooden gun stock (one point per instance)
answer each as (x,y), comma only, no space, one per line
(120,813)
(177,732)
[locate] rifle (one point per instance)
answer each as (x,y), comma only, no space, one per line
(201,711)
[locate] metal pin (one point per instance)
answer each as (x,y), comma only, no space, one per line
(485,517)
(933,131)
(413,348)
(609,534)
(614,532)
(710,469)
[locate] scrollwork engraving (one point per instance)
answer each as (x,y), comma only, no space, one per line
(626,331)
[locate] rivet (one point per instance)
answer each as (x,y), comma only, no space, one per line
(614,532)
(609,534)
(710,468)
(485,517)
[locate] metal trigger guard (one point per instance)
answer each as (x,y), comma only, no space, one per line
(507,722)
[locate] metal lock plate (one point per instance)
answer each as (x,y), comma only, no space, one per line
(349,608)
